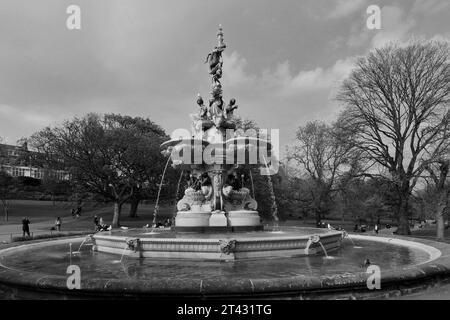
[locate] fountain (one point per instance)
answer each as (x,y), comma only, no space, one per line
(216,207)
(217,221)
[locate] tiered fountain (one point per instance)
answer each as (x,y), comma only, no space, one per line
(217,220)
(216,199)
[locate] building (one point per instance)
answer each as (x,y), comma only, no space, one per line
(17,162)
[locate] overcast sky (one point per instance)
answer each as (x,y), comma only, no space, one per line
(283,62)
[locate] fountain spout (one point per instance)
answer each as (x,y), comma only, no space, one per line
(313,240)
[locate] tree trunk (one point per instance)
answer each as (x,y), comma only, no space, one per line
(116,217)
(318,217)
(440,214)
(402,218)
(5,209)
(134,203)
(440,226)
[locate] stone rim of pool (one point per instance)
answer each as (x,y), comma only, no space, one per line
(19,283)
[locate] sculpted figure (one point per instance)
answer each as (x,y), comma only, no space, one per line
(217,73)
(226,191)
(206,186)
(230,108)
(217,107)
(203,112)
(213,59)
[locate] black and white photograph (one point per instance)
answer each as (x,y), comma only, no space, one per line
(220,155)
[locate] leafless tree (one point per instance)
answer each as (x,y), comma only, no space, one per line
(397,106)
(325,154)
(439,174)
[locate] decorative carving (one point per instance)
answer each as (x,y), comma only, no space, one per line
(133,244)
(217,189)
(203,112)
(314,238)
(230,108)
(227,246)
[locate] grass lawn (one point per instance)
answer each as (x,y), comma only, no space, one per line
(144,216)
(39,211)
(45,212)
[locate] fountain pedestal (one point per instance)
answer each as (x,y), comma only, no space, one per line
(192,219)
(218,219)
(240,218)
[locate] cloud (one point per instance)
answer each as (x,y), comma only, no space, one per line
(400,24)
(29,121)
(344,8)
(396,26)
(281,81)
(281,97)
(430,7)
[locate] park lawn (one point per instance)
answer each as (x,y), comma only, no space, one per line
(429,232)
(144,216)
(37,211)
(40,211)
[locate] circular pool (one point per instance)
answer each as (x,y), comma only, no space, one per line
(40,269)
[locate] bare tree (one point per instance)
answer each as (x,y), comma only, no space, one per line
(441,190)
(396,104)
(326,155)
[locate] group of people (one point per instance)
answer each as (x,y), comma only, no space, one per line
(26,226)
(100,225)
(363,227)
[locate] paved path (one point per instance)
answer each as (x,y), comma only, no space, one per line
(436,293)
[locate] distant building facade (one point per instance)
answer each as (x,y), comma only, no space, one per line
(17,162)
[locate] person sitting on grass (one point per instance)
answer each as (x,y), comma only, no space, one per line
(102,226)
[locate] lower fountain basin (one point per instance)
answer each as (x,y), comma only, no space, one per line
(39,270)
(219,246)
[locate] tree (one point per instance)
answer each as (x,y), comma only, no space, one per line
(325,154)
(439,173)
(396,105)
(6,182)
(109,155)
(146,159)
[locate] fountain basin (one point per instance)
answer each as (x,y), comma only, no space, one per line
(38,270)
(220,246)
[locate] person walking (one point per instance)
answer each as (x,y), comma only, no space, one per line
(58,224)
(376,228)
(25,226)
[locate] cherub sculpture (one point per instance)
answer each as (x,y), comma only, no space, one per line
(230,108)
(203,112)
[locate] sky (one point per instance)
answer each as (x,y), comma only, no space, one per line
(283,63)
